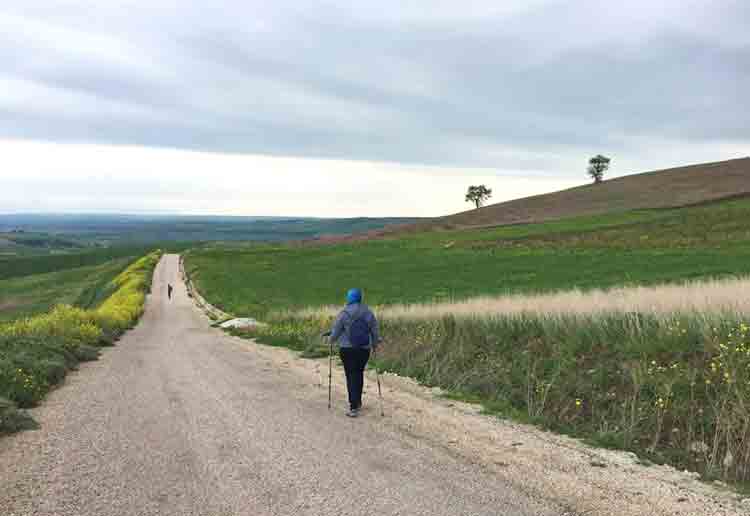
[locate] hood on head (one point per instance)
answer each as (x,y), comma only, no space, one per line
(353,296)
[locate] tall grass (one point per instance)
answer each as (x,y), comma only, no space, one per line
(37,352)
(718,295)
(674,388)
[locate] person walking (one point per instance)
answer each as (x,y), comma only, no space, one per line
(169,291)
(356,332)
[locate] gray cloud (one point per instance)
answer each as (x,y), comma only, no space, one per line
(452,83)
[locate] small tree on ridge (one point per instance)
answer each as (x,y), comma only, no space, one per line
(478,194)
(598,165)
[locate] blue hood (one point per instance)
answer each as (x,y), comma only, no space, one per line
(354,296)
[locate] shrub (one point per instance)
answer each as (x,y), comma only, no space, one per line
(12,419)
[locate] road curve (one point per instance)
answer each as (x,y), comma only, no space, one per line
(180,419)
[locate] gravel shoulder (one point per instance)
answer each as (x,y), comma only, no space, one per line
(180,418)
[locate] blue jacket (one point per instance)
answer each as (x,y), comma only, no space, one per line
(340,331)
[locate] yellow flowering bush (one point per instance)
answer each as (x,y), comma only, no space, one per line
(123,308)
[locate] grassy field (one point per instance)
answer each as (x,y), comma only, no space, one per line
(672,385)
(19,266)
(26,244)
(31,295)
(642,247)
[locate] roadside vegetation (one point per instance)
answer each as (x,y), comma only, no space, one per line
(673,388)
(670,382)
(37,352)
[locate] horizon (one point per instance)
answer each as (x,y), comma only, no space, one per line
(163,214)
(178,215)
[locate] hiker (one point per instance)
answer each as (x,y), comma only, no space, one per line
(169,290)
(356,331)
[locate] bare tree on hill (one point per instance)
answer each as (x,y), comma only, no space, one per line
(598,165)
(478,195)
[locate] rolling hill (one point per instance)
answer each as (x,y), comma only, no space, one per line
(659,189)
(670,188)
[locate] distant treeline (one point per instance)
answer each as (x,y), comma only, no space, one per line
(132,229)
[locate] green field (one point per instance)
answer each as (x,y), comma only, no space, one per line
(19,266)
(642,247)
(81,286)
(32,243)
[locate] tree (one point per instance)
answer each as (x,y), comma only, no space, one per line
(598,165)
(478,194)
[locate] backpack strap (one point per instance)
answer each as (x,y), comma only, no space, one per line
(353,317)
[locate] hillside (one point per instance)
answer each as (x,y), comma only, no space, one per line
(668,188)
(675,187)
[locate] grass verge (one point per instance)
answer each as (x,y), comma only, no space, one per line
(37,352)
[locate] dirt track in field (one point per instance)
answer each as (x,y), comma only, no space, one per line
(182,419)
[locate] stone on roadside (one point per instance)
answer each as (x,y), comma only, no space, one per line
(241,322)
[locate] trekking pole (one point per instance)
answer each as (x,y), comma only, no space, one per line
(380,392)
(330,370)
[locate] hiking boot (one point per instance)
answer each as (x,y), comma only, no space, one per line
(352,412)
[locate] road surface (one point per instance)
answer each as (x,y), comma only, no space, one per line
(180,419)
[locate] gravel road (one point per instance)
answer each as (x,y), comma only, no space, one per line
(181,419)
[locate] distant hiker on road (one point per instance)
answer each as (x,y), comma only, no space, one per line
(169,290)
(356,332)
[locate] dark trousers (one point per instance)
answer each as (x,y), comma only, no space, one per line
(355,361)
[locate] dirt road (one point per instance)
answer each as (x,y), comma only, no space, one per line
(180,419)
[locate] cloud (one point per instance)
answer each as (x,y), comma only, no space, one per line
(528,87)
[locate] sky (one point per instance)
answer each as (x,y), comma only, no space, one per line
(340,108)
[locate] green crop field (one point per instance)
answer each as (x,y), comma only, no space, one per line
(643,247)
(19,266)
(31,295)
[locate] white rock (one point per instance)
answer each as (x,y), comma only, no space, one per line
(242,322)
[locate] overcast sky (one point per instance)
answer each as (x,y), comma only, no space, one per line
(341,108)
